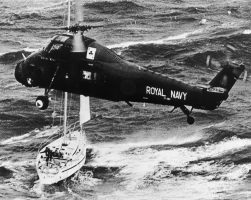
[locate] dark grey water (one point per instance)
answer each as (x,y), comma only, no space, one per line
(139,152)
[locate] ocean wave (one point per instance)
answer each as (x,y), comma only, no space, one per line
(223,147)
(240,157)
(186,15)
(12,57)
(20,116)
(10,117)
(17,139)
(186,19)
(211,171)
(52,6)
(189,52)
(23,173)
(45,132)
(101,172)
(32,15)
(160,41)
(7,23)
(215,135)
(26,15)
(168,15)
(16,103)
(200,59)
(207,161)
(195,10)
(114,7)
(175,16)
(145,159)
(5,172)
(11,42)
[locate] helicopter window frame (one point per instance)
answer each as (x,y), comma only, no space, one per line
(58,49)
(55,46)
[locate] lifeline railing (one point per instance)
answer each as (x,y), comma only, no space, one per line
(70,128)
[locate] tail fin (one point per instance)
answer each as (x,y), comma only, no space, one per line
(227,77)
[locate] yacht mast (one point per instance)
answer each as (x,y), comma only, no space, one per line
(66,93)
(65,112)
(69,14)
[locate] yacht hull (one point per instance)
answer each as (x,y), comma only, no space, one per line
(72,155)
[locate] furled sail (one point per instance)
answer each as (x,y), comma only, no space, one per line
(84,113)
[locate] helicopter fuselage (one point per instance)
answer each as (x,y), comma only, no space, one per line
(99,72)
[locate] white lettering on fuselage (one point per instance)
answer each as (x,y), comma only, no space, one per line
(155,91)
(178,95)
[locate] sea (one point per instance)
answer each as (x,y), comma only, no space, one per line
(141,152)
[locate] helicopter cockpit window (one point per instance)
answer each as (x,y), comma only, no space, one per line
(55,47)
(61,38)
(58,50)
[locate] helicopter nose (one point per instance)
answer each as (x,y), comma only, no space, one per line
(19,72)
(27,74)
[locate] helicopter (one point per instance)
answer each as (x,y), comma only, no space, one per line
(97,71)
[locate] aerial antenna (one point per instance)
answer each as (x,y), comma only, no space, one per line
(24,57)
(66,93)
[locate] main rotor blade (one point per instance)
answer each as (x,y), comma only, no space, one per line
(79,17)
(78,43)
(230,50)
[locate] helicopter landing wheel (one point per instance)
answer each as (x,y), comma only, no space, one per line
(42,102)
(190,120)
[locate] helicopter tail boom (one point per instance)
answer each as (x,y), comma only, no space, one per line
(227,77)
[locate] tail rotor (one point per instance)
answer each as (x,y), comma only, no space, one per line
(213,63)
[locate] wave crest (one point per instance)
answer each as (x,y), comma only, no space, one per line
(114,7)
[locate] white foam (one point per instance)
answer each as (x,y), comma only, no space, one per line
(247,32)
(29,136)
(160,41)
(38,188)
(220,124)
(237,172)
(139,162)
(179,157)
(15,139)
(223,147)
(18,167)
(48,132)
